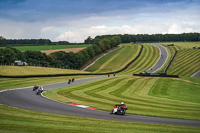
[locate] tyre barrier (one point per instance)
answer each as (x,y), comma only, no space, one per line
(156,75)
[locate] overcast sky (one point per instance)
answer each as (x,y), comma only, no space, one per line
(75,20)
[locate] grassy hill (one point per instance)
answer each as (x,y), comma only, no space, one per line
(30,70)
(119,58)
(147,59)
(185,63)
(161,97)
(15,120)
(187,60)
(116,60)
(142,95)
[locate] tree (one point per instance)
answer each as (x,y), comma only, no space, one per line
(89,40)
(90,51)
(2,41)
(36,58)
(8,56)
(97,50)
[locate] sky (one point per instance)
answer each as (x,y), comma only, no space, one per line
(75,20)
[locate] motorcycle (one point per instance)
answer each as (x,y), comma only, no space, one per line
(40,90)
(119,109)
(35,87)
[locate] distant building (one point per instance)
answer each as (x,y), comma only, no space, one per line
(20,63)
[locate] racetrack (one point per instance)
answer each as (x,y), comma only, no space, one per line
(27,99)
(196,75)
(161,61)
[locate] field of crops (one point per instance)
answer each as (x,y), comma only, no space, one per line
(49,47)
(161,97)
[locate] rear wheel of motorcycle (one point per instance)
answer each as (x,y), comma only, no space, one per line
(111,112)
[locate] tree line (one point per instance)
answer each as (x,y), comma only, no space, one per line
(30,42)
(59,59)
(142,38)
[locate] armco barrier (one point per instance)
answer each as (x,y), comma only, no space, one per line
(170,62)
(75,74)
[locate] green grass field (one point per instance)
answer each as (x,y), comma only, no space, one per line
(19,120)
(183,45)
(160,97)
(49,47)
(31,70)
(10,83)
(13,120)
(119,58)
(185,63)
(116,60)
(187,60)
(147,59)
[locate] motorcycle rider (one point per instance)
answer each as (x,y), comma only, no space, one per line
(122,104)
(40,90)
(119,109)
(35,87)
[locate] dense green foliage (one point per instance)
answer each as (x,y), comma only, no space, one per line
(161,97)
(127,38)
(58,59)
(13,42)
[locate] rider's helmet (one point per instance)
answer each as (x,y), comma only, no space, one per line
(41,87)
(122,102)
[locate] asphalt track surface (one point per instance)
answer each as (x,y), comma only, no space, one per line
(26,98)
(161,61)
(196,75)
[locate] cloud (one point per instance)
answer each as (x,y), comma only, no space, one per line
(75,20)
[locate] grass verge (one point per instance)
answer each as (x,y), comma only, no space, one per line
(161,97)
(13,120)
(30,70)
